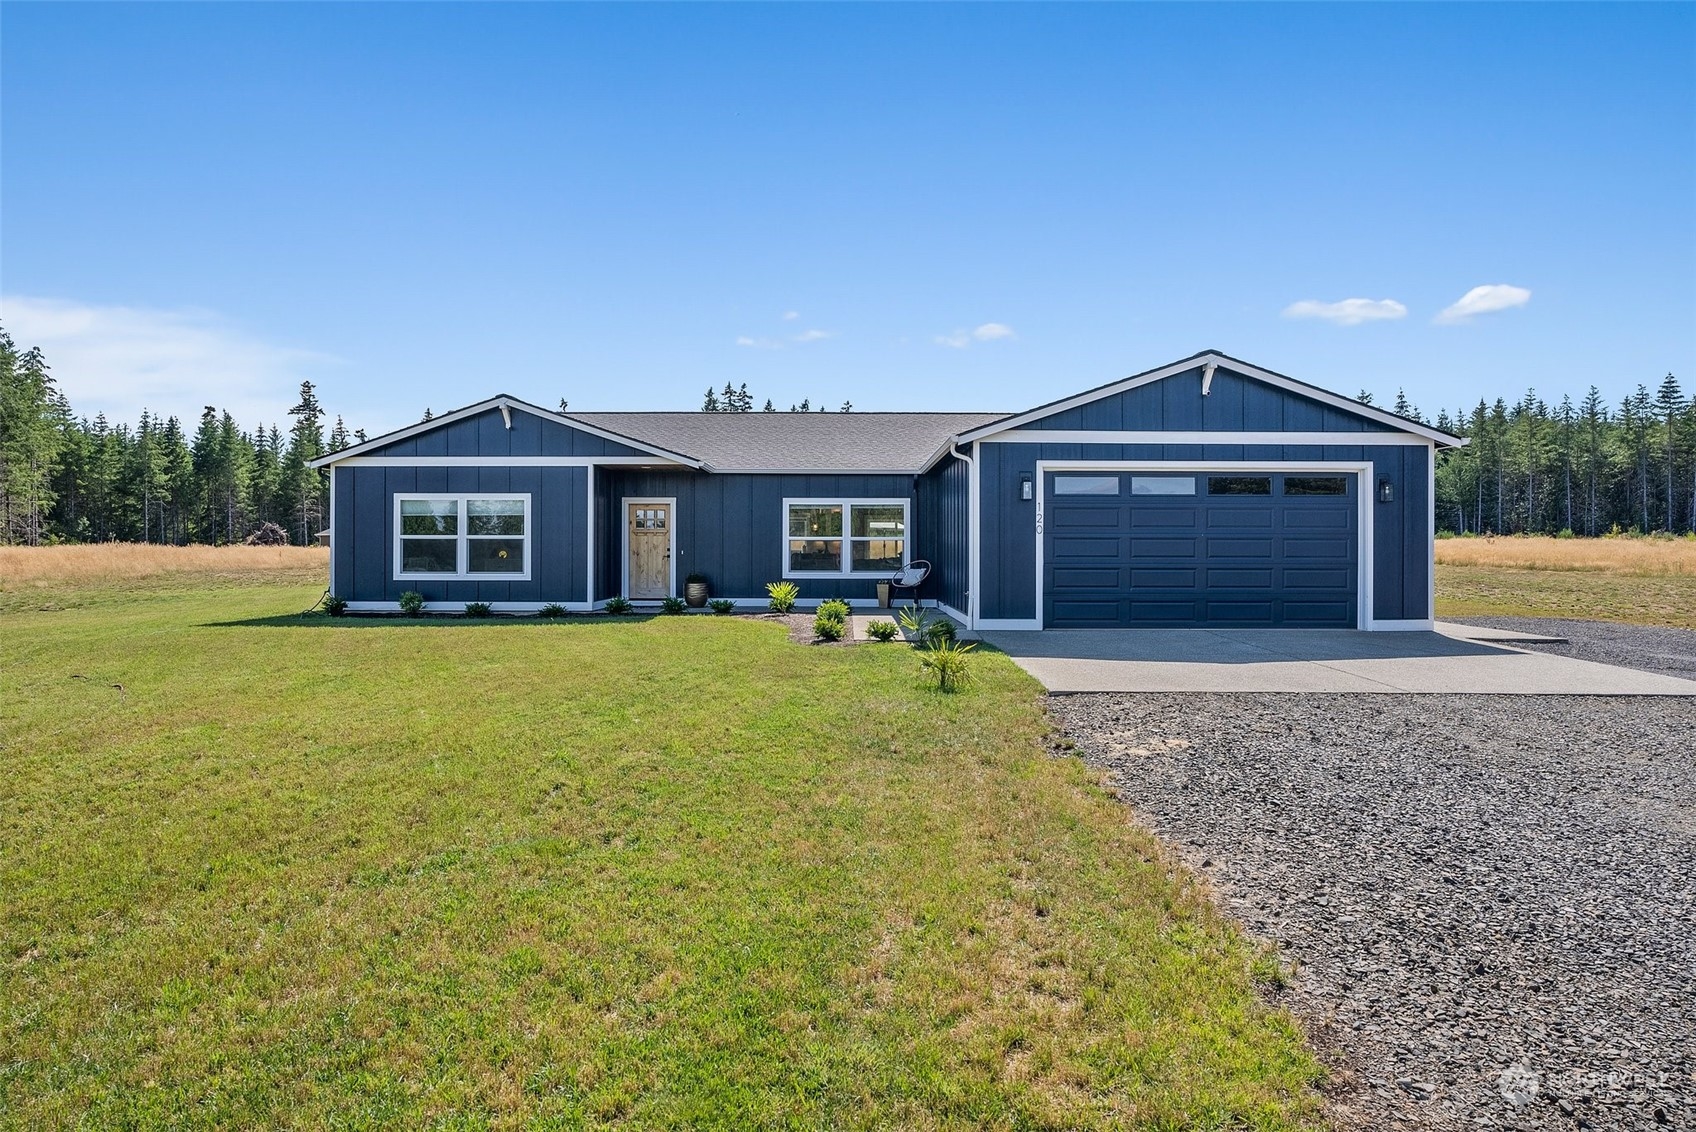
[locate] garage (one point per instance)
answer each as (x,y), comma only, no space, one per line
(1201,549)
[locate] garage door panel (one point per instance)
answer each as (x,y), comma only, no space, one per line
(1174,578)
(1239,518)
(1239,548)
(1194,561)
(1237,579)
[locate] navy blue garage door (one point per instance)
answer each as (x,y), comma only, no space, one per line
(1200,550)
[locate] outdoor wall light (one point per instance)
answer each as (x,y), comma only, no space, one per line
(1386,490)
(1026,489)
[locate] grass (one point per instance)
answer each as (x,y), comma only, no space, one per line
(657,872)
(1644,581)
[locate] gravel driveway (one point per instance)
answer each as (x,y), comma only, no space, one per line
(1651,648)
(1485,899)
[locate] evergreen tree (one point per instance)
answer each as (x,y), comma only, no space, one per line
(770,408)
(710,403)
(306,484)
(32,416)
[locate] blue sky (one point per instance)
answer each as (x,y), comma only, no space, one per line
(942,207)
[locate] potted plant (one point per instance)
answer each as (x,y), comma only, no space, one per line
(883,595)
(695,590)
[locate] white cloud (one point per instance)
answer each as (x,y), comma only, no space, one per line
(814,335)
(1349,312)
(988,332)
(1483,300)
(758,343)
(119,360)
(791,316)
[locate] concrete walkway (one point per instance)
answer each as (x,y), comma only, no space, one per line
(1455,659)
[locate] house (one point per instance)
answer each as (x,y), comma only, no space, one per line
(1205,493)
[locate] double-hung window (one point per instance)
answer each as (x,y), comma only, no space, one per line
(842,538)
(483,536)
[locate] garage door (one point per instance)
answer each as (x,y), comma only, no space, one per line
(1200,550)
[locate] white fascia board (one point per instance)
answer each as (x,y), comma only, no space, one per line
(505,404)
(1200,361)
(1305,439)
(501,461)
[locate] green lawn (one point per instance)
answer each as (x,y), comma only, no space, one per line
(1493,591)
(667,872)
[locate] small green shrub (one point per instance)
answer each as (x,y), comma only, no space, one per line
(722,605)
(1566,532)
(947,664)
(411,603)
(673,605)
(882,630)
(836,607)
(552,609)
(334,606)
(913,620)
(783,595)
(827,627)
(618,605)
(940,629)
(477,609)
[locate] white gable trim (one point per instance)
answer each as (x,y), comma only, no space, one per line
(505,404)
(1203,362)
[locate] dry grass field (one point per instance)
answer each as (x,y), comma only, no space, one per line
(51,566)
(1644,581)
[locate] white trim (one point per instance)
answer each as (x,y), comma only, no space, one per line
(506,415)
(1430,535)
(1201,361)
(847,538)
(501,461)
(1364,497)
(503,402)
(974,555)
(1207,378)
(624,543)
(1411,625)
(1310,439)
(999,624)
(332,586)
(717,471)
(462,537)
(944,607)
(459,606)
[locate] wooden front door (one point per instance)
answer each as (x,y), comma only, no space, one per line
(648,538)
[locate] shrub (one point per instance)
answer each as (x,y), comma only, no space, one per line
(695,580)
(477,609)
(618,605)
(334,606)
(829,628)
(722,605)
(940,629)
(948,664)
(1566,532)
(673,605)
(913,622)
(836,607)
(882,630)
(411,603)
(783,595)
(552,609)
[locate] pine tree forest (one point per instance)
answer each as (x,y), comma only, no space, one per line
(1586,467)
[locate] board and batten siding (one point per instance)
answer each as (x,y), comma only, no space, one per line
(944,521)
(486,434)
(1401,548)
(730,527)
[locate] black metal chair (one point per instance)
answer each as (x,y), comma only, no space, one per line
(909,578)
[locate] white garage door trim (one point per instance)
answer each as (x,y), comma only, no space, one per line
(1362,470)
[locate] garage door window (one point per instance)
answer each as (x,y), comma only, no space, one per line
(1239,485)
(1086,485)
(1316,485)
(1162,485)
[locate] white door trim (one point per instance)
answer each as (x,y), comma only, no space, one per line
(624,540)
(1363,493)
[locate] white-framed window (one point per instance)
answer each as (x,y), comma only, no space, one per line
(483,536)
(844,538)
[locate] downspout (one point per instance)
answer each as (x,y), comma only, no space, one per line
(971,531)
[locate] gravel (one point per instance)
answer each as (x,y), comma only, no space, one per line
(1488,903)
(1652,648)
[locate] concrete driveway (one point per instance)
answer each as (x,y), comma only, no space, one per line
(1454,659)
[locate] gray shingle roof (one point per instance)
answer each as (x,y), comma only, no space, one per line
(817,442)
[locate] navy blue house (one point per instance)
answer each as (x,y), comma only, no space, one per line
(1205,493)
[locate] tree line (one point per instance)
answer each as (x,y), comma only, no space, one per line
(1586,467)
(734,400)
(65,478)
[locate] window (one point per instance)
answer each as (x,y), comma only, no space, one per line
(1239,485)
(469,536)
(1316,485)
(828,537)
(1162,485)
(1086,485)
